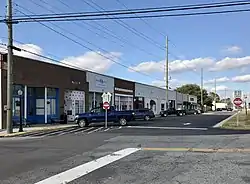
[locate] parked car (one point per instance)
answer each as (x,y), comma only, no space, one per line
(192,111)
(229,109)
(146,114)
(172,111)
(97,115)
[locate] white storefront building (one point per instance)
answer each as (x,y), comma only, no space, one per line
(97,85)
(153,97)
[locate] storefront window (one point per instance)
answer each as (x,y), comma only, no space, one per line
(40,92)
(39,106)
(51,92)
(123,102)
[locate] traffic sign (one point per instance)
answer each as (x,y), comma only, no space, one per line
(106,105)
(106,97)
(237,101)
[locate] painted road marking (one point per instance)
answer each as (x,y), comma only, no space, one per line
(81,170)
(167,128)
(203,150)
(186,124)
(95,130)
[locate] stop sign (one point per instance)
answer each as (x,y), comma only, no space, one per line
(106,105)
(237,101)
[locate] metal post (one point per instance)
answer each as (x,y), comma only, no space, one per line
(202,89)
(21,118)
(106,118)
(9,68)
(215,94)
(167,72)
(237,117)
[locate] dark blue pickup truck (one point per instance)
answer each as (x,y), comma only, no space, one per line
(97,115)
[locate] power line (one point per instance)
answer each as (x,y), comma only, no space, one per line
(135,46)
(135,17)
(126,26)
(141,11)
(60,33)
(145,22)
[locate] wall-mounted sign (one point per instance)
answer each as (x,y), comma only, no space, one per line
(100,82)
(124,90)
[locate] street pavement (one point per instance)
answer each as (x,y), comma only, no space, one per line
(165,150)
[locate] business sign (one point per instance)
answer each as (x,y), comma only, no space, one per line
(100,82)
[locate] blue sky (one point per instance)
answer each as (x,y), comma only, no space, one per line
(197,41)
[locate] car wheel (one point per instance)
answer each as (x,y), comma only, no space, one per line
(165,115)
(123,121)
(82,123)
(195,113)
(147,118)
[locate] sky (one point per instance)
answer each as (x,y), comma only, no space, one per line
(220,44)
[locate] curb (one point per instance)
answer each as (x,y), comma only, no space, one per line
(218,125)
(37,130)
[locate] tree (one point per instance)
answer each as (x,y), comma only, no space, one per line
(194,89)
(214,96)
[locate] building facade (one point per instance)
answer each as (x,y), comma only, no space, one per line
(124,92)
(97,85)
(49,90)
(192,102)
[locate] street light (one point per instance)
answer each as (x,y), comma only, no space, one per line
(20,94)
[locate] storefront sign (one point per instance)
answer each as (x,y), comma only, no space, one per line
(101,83)
(124,90)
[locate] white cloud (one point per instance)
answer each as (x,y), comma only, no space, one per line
(173,83)
(218,80)
(174,66)
(93,61)
(241,78)
(232,50)
(219,88)
(231,63)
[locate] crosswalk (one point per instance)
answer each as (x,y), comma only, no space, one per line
(72,130)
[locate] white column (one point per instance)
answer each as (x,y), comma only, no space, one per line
(1,102)
(25,102)
(94,100)
(45,106)
(128,103)
(119,101)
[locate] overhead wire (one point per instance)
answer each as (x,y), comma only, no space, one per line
(135,17)
(125,25)
(84,46)
(129,12)
(135,9)
(135,46)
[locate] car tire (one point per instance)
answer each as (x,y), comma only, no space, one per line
(146,118)
(195,113)
(165,115)
(123,121)
(83,123)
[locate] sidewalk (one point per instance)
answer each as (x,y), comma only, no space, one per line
(41,127)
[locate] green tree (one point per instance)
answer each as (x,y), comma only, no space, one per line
(214,96)
(194,89)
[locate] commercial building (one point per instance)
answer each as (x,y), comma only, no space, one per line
(124,94)
(97,85)
(192,102)
(49,90)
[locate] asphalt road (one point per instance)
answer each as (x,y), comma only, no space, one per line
(150,152)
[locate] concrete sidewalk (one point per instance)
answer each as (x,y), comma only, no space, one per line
(42,127)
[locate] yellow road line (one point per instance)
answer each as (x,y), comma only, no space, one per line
(203,150)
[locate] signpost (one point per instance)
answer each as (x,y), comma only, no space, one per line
(237,102)
(106,98)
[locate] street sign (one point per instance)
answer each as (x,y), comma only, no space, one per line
(237,94)
(237,101)
(106,105)
(106,97)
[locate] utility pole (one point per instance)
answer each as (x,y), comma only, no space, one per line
(215,96)
(9,68)
(167,72)
(202,105)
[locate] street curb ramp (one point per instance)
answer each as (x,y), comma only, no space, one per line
(218,125)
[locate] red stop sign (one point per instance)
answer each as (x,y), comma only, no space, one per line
(106,105)
(237,101)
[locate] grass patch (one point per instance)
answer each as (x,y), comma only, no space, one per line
(244,121)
